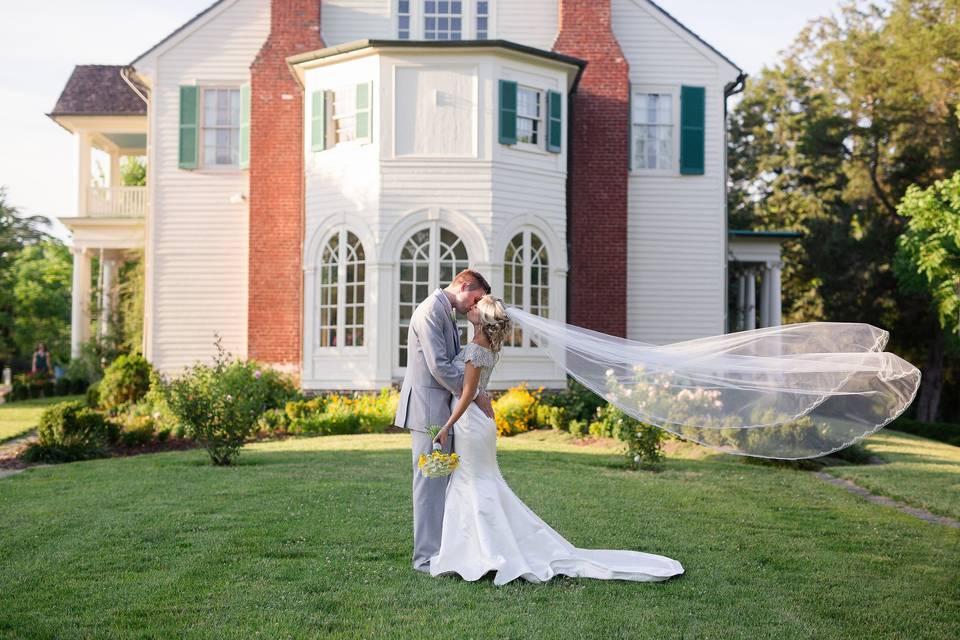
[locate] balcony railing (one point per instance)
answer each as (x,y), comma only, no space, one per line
(117,202)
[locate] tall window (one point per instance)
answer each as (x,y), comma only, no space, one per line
(526,279)
(403,20)
(483,19)
(429,259)
(344,114)
(528,116)
(221,127)
(652,131)
(442,20)
(340,291)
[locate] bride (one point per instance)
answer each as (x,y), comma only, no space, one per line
(486,527)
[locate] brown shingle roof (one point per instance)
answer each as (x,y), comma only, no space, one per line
(98,89)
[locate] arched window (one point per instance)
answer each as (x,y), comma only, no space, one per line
(429,259)
(340,291)
(526,279)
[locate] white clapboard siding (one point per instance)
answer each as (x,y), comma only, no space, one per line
(676,223)
(346,20)
(199,238)
(529,22)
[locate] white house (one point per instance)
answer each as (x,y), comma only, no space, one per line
(316,168)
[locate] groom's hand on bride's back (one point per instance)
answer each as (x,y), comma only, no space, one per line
(483,401)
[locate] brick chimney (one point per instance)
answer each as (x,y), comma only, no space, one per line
(274,307)
(598,168)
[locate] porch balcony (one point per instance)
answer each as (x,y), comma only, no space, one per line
(117,202)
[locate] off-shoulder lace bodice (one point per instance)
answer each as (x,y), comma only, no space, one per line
(480,357)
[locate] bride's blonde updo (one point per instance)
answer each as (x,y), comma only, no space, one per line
(494,323)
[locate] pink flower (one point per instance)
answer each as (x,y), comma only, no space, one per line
(257,374)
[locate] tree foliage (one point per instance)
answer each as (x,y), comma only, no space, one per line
(861,106)
(42,278)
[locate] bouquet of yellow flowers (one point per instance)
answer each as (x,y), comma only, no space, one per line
(438,463)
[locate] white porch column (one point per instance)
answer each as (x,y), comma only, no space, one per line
(115,180)
(80,303)
(741,318)
(107,297)
(765,296)
(83,171)
(751,302)
(776,310)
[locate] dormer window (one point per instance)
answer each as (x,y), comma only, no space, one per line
(443,20)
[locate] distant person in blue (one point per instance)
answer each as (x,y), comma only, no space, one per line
(41,361)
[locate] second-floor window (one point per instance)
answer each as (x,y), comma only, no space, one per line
(221,127)
(483,19)
(528,116)
(652,131)
(403,19)
(442,20)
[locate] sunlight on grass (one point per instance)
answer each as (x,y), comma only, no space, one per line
(923,473)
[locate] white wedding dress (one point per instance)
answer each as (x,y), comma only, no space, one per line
(486,527)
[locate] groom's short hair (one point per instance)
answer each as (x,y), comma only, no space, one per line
(469,275)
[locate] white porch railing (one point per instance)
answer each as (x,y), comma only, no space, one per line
(117,202)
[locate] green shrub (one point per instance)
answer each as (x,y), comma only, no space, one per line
(93,395)
(577,427)
(330,414)
(552,416)
(220,405)
(125,381)
(644,442)
(71,431)
(516,410)
(578,402)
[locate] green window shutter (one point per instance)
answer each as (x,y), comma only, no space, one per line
(692,114)
(555,115)
(364,97)
(245,126)
(318,121)
(189,126)
(508,112)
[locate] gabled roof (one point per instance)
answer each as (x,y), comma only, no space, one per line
(176,31)
(96,90)
(687,29)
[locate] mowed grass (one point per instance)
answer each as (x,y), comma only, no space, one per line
(16,418)
(923,473)
(311,538)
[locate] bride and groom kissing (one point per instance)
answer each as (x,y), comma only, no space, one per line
(471,523)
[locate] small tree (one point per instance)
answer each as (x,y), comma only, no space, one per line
(928,263)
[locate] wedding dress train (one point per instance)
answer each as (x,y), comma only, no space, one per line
(486,527)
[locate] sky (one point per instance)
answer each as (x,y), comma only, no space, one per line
(38,158)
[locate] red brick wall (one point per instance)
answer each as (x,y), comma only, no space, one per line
(598,170)
(274,314)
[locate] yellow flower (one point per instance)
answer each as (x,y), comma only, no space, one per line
(422,461)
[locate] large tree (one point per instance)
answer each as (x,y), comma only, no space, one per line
(861,106)
(41,292)
(16,232)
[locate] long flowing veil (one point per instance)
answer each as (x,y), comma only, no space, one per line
(789,392)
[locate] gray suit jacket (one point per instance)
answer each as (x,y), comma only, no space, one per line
(432,378)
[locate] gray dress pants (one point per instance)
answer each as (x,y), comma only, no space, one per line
(428,498)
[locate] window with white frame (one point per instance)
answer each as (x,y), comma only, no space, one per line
(344,114)
(221,127)
(442,20)
(430,258)
(483,19)
(526,280)
(403,19)
(529,124)
(653,131)
(341,278)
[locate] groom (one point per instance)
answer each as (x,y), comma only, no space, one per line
(431,381)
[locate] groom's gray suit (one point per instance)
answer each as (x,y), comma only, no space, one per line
(431,381)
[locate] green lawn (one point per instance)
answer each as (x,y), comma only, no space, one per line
(312,538)
(923,473)
(17,418)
